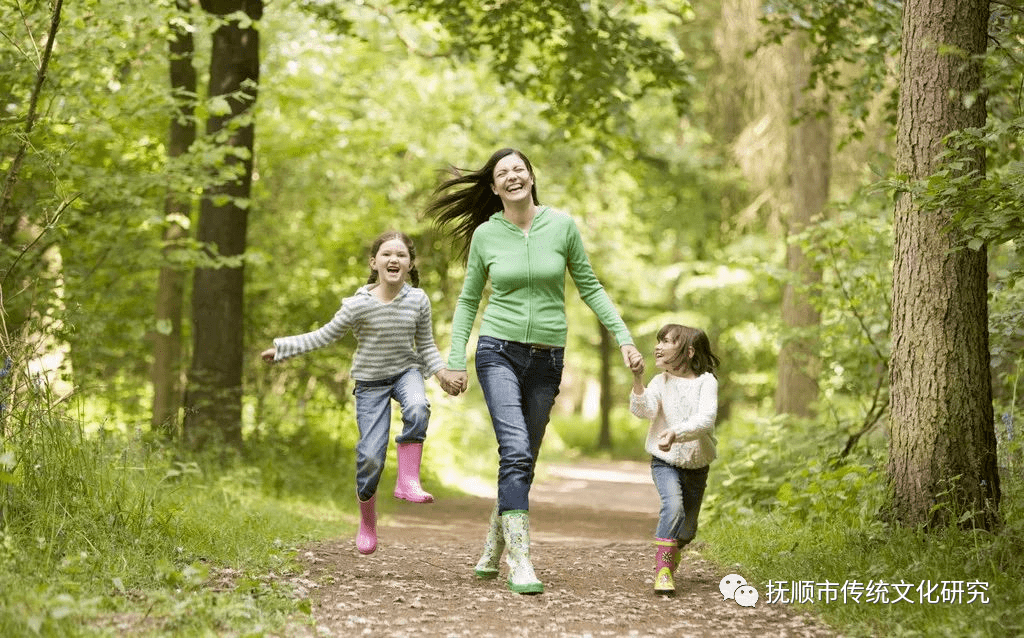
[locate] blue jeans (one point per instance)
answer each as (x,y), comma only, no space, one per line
(373,416)
(681,491)
(520,383)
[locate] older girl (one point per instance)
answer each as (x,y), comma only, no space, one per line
(391,322)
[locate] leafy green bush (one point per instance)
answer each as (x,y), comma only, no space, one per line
(102,533)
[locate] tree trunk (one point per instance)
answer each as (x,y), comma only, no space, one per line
(170,304)
(810,154)
(604,441)
(213,400)
(942,461)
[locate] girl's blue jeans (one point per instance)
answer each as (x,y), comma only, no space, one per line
(681,491)
(373,416)
(520,383)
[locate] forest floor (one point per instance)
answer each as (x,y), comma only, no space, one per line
(591,546)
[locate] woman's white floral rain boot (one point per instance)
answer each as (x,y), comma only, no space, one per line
(487,567)
(515,525)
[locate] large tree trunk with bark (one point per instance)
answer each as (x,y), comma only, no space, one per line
(213,401)
(942,461)
(170,295)
(810,167)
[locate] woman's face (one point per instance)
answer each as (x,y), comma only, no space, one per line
(392,262)
(512,181)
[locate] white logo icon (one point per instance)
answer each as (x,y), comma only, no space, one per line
(746,596)
(730,584)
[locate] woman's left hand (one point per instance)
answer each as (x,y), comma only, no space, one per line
(632,358)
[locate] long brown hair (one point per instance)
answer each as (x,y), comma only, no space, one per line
(703,360)
(466,200)
(414,275)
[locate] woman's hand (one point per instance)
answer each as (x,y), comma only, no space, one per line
(453,382)
(633,359)
(460,380)
(269,354)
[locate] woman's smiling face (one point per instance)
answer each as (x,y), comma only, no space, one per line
(392,262)
(512,180)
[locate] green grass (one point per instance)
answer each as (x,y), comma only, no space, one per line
(108,534)
(768,547)
(820,522)
(104,535)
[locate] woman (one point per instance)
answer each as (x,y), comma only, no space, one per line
(523,249)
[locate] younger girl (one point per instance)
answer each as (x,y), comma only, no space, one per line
(682,403)
(391,322)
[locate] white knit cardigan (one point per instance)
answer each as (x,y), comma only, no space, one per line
(688,407)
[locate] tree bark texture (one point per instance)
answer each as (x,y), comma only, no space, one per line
(213,401)
(810,166)
(942,461)
(170,296)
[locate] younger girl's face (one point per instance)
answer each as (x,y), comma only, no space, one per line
(392,262)
(666,353)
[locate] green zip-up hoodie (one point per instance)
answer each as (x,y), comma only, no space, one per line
(527,275)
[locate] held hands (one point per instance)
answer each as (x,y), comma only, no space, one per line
(454,382)
(633,359)
(665,440)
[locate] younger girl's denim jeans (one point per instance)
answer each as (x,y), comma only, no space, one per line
(681,491)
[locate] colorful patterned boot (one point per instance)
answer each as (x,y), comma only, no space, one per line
(407,487)
(494,544)
(676,557)
(515,526)
(366,538)
(663,584)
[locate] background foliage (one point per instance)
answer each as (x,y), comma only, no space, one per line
(644,138)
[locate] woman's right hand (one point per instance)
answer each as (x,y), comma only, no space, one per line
(459,380)
(269,354)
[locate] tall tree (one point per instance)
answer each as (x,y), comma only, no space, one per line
(810,154)
(213,400)
(170,295)
(942,450)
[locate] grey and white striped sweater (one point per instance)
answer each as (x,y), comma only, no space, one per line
(392,337)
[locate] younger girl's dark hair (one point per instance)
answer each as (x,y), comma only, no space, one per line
(703,360)
(414,275)
(466,200)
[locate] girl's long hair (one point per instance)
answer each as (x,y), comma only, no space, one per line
(703,360)
(414,275)
(465,201)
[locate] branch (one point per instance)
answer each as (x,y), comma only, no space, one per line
(12,174)
(872,418)
(853,308)
(48,227)
(1012,7)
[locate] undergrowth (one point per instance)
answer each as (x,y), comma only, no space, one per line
(813,533)
(113,535)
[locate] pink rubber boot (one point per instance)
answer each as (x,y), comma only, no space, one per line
(407,487)
(366,538)
(663,582)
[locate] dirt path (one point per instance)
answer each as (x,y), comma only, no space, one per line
(591,527)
